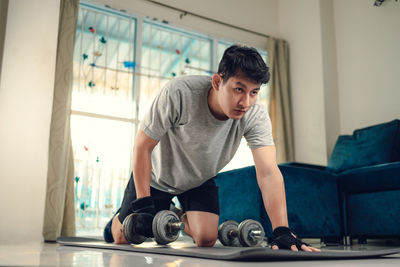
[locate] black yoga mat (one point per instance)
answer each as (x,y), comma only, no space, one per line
(219,252)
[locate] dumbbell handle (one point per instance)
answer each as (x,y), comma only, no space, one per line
(173,227)
(233,233)
(253,233)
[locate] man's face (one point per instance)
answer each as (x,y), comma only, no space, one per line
(236,96)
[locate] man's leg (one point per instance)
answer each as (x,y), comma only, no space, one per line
(201,205)
(202,227)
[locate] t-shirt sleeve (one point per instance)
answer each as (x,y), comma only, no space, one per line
(258,131)
(162,115)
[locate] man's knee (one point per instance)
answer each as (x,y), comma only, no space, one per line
(205,242)
(203,227)
(120,239)
(205,238)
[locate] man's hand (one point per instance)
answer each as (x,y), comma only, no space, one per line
(284,238)
(145,209)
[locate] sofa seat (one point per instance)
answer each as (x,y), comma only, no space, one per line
(374,214)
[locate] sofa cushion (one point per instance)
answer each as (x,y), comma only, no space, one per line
(368,146)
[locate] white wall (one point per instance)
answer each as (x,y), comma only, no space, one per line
(330,84)
(345,62)
(300,25)
(26,96)
(368,58)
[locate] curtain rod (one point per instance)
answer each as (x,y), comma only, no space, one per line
(184,13)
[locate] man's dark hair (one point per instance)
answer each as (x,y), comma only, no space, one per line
(245,59)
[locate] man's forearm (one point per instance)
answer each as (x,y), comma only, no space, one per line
(273,194)
(141,172)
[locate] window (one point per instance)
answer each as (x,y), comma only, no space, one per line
(103,116)
(120,64)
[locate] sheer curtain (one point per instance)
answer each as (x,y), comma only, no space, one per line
(59,218)
(280,103)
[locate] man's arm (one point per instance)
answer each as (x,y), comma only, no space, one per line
(272,187)
(271,184)
(141,166)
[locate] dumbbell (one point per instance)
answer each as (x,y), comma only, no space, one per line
(166,227)
(248,233)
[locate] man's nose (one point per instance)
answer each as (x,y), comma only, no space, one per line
(245,100)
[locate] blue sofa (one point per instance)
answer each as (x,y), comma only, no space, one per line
(356,195)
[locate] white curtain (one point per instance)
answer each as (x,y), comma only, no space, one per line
(280,102)
(59,218)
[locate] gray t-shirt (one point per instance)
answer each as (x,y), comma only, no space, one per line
(193,145)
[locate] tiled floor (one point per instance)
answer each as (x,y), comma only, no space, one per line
(52,254)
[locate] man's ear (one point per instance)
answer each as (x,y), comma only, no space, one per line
(216,81)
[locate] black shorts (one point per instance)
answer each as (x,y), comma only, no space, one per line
(202,198)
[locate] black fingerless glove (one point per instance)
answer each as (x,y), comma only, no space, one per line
(284,238)
(146,211)
(144,205)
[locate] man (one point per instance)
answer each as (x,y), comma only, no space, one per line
(191,131)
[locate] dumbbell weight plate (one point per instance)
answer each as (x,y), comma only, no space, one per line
(245,237)
(161,231)
(223,234)
(128,230)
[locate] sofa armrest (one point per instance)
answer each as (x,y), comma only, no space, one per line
(312,200)
(375,178)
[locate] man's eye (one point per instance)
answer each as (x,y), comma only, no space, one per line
(238,89)
(255,92)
